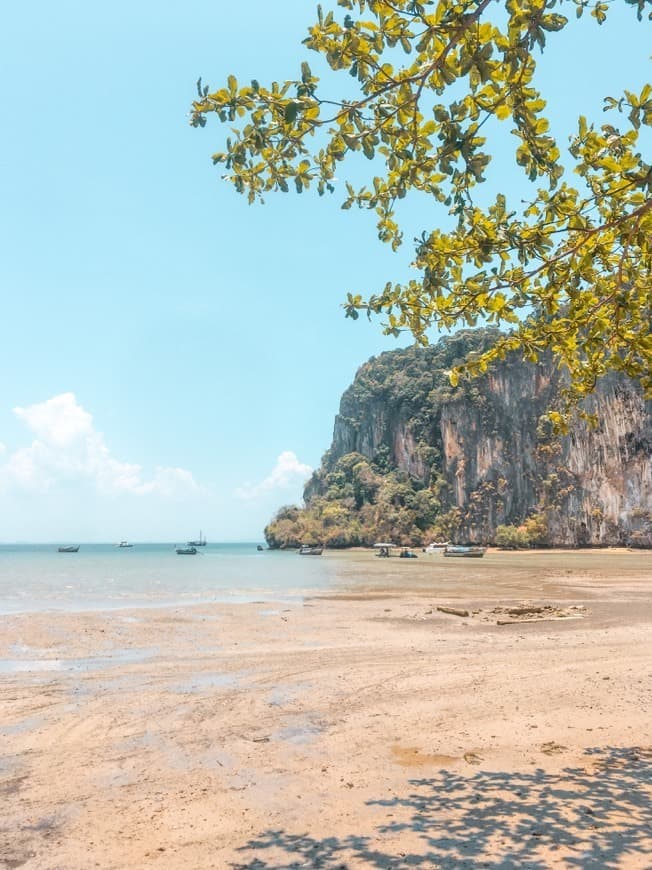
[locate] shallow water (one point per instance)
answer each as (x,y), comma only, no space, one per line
(89,663)
(102,576)
(37,578)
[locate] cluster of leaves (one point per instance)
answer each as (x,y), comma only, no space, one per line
(568,272)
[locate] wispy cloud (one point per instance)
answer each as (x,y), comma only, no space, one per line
(68,448)
(287,472)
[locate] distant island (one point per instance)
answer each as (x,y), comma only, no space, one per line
(414,459)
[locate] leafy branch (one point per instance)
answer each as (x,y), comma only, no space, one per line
(570,271)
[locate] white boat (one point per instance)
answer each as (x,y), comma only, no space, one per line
(468,552)
(437,547)
(308,550)
(124,545)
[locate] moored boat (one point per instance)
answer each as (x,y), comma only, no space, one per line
(68,549)
(186,551)
(124,545)
(200,543)
(437,547)
(309,550)
(468,552)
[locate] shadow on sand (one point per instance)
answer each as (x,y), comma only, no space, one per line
(594,816)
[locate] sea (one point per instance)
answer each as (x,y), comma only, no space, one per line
(36,577)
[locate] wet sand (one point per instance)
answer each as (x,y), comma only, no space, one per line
(364,729)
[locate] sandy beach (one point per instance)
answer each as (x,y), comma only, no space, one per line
(363,729)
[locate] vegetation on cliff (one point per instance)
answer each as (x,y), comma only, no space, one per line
(360,505)
(414,459)
(354,499)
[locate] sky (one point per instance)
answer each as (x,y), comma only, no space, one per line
(172,359)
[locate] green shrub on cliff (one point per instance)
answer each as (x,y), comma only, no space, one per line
(358,506)
(285,530)
(512,538)
(536,529)
(532,533)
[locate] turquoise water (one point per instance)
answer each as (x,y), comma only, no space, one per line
(100,576)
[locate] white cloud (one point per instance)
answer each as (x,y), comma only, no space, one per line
(59,421)
(68,448)
(287,472)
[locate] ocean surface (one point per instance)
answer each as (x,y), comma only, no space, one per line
(35,577)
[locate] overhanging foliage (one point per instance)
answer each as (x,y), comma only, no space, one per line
(569,271)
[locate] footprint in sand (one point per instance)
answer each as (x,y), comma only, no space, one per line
(552,748)
(472,758)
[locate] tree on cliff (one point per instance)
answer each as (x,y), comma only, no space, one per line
(569,271)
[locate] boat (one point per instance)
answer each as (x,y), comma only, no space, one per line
(124,545)
(309,550)
(186,551)
(437,547)
(200,543)
(469,552)
(68,549)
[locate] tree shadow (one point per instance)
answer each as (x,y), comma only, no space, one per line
(598,816)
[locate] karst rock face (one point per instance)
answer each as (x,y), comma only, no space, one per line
(493,451)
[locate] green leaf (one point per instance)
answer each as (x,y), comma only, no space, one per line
(291,112)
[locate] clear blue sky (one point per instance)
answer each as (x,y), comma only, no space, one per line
(163,344)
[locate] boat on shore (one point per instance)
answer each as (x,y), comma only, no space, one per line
(468,552)
(186,551)
(200,543)
(309,550)
(69,549)
(437,547)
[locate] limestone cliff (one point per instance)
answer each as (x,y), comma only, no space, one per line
(484,454)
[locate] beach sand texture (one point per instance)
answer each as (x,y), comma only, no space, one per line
(365,729)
